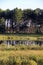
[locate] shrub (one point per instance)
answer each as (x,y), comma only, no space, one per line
(1,62)
(40,62)
(24,62)
(33,57)
(14,60)
(32,62)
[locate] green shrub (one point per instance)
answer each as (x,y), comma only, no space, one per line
(40,62)
(33,57)
(24,62)
(32,62)
(4,61)
(21,60)
(14,60)
(1,62)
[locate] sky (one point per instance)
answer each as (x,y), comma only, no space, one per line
(23,4)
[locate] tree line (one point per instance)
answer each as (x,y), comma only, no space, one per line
(19,16)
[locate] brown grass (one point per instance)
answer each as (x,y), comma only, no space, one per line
(22,52)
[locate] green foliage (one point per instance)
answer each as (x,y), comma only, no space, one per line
(40,61)
(2,21)
(37,11)
(27,13)
(17,16)
(1,10)
(20,60)
(32,62)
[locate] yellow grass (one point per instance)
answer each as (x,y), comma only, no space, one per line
(21,52)
(21,37)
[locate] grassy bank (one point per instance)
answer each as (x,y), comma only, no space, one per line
(27,57)
(21,55)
